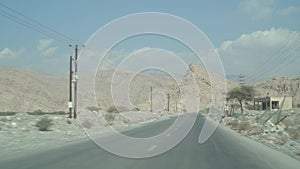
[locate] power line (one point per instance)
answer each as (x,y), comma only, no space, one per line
(34,25)
(38,23)
(280,57)
(17,20)
(275,56)
(289,58)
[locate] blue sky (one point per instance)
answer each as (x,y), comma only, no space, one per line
(234,27)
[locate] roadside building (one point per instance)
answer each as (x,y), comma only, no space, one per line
(273,103)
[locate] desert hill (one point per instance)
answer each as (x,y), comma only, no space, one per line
(25,91)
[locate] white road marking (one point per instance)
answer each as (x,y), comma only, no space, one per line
(168,134)
(152,148)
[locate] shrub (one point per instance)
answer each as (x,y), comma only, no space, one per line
(136,109)
(288,122)
(294,133)
(109,118)
(244,125)
(297,120)
(36,112)
(57,113)
(44,124)
(117,109)
(93,108)
(87,124)
(112,109)
(40,113)
(69,121)
(249,106)
(234,123)
(7,113)
(281,141)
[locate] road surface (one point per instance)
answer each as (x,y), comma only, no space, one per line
(224,150)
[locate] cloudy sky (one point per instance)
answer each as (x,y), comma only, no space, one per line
(258,38)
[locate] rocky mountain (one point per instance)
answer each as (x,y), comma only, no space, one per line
(204,81)
(24,91)
(112,89)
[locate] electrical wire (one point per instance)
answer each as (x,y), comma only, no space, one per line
(275,68)
(275,56)
(34,25)
(280,58)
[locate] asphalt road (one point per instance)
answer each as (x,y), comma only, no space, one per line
(224,150)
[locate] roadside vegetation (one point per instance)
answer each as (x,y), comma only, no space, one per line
(44,124)
(241,94)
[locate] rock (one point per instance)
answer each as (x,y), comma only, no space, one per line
(291,143)
(8,118)
(13,124)
(297,150)
(280,127)
(256,129)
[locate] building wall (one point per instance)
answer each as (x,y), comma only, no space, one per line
(288,102)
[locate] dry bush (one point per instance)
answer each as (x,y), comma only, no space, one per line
(87,124)
(44,124)
(112,109)
(109,118)
(40,113)
(234,123)
(294,133)
(244,125)
(125,120)
(117,109)
(288,122)
(93,108)
(297,120)
(7,113)
(256,130)
(297,151)
(281,141)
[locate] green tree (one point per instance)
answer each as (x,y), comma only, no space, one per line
(242,93)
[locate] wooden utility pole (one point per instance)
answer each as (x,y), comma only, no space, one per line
(151,101)
(75,81)
(176,104)
(168,108)
(70,104)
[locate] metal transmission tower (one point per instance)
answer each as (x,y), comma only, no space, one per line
(242,79)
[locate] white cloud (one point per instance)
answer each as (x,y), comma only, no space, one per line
(50,65)
(287,11)
(49,51)
(90,59)
(45,47)
(8,53)
(261,50)
(264,9)
(44,43)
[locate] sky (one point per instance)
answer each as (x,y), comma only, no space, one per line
(257,38)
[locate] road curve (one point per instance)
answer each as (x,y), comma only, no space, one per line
(225,149)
